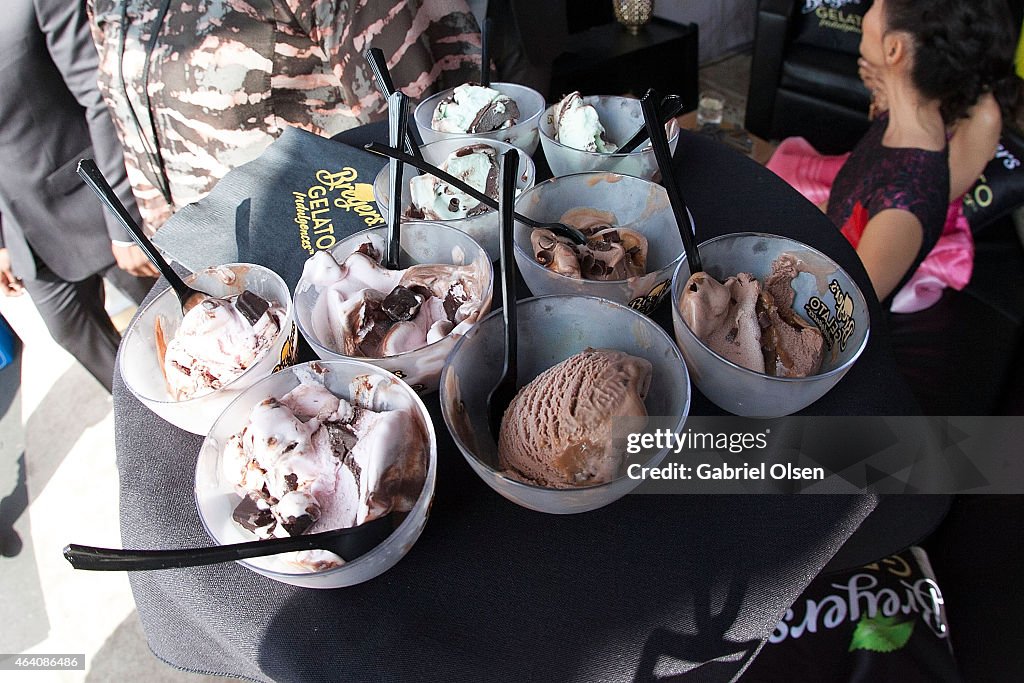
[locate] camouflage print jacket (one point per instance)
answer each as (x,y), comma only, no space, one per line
(225,77)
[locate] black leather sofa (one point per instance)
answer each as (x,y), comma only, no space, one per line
(803,78)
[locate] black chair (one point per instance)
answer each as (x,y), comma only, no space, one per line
(803,78)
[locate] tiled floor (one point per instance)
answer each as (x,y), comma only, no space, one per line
(58,484)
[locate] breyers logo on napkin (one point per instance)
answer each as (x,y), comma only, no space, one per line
(319,192)
(303,194)
(342,190)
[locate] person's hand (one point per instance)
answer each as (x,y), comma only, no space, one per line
(132,260)
(869,76)
(9,284)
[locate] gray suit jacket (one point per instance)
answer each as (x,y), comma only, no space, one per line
(52,115)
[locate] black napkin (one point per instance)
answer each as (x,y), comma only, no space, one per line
(304,193)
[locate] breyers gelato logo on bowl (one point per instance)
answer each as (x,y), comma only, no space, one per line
(289,352)
(418,387)
(648,302)
(835,328)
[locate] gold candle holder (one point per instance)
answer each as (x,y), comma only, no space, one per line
(633,13)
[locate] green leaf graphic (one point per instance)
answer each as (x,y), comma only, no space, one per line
(881,634)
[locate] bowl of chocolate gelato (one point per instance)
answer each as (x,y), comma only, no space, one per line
(581,134)
(188,368)
(406,321)
(591,373)
(504,111)
(319,446)
(472,160)
(633,244)
(770,327)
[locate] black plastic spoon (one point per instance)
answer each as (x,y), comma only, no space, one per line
(656,131)
(485,57)
(505,390)
(560,229)
(398,119)
(348,544)
(92,176)
(374,56)
(671,107)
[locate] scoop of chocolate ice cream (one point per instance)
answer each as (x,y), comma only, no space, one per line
(557,432)
(610,253)
(724,316)
(752,326)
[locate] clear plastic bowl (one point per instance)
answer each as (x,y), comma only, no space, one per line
(422,242)
(752,394)
(140,367)
(216,498)
(523,135)
(621,117)
(552,329)
(637,204)
(482,227)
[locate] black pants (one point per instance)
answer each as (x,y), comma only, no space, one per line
(75,316)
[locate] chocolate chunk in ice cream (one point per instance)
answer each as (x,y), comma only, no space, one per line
(496,115)
(297,511)
(402,304)
(253,514)
(373,324)
(457,296)
(251,305)
(342,439)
